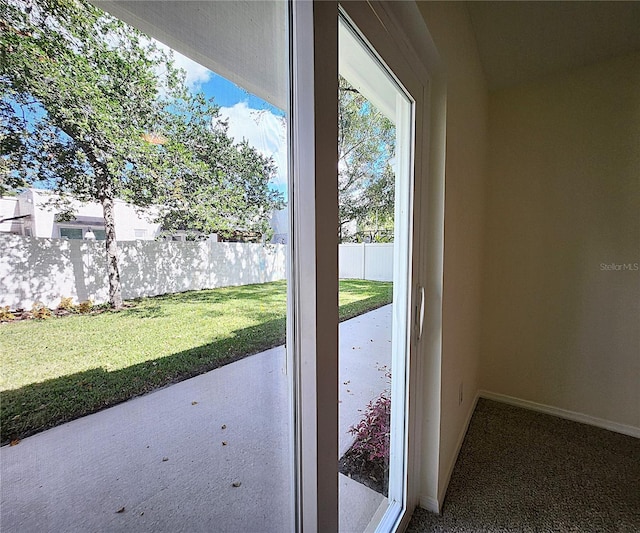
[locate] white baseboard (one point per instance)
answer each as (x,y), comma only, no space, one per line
(430,504)
(563,413)
(442,493)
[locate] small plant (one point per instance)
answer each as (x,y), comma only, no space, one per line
(6,315)
(85,307)
(66,304)
(367,461)
(39,311)
(373,431)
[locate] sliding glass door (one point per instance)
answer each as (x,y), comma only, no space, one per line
(160,128)
(375,186)
(259,309)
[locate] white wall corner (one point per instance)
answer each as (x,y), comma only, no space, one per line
(632,431)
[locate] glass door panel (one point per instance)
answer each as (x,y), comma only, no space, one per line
(153,395)
(375,184)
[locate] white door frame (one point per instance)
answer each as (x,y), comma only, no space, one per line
(313,283)
(377,26)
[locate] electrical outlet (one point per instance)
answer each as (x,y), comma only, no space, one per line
(460,394)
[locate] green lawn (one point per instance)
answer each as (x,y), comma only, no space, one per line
(59,369)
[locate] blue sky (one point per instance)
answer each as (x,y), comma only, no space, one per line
(227,94)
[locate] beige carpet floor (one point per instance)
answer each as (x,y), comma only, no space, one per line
(523,471)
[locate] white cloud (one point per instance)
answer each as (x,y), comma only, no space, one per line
(197,75)
(263,130)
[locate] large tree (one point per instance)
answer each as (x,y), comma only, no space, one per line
(95,111)
(213,185)
(366,146)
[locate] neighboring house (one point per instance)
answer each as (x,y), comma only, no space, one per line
(31,214)
(10,219)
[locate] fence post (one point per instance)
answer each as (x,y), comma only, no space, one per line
(210,246)
(364,260)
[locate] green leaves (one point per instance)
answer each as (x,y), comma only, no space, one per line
(80,87)
(81,95)
(213,185)
(366,144)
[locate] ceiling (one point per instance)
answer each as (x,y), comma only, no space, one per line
(522,41)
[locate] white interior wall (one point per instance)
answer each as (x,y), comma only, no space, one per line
(462,89)
(560,326)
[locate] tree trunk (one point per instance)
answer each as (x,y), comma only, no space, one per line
(113,273)
(104,193)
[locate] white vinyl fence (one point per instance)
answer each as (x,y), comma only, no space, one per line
(366,261)
(34,269)
(45,270)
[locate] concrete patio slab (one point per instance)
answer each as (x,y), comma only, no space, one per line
(358,506)
(364,355)
(171,458)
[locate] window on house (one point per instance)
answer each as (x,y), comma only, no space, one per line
(375,187)
(71,233)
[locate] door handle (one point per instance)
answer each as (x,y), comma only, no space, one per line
(420,313)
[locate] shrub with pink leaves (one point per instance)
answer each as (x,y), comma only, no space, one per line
(373,432)
(367,460)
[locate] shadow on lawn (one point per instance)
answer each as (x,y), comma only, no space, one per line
(39,406)
(147,311)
